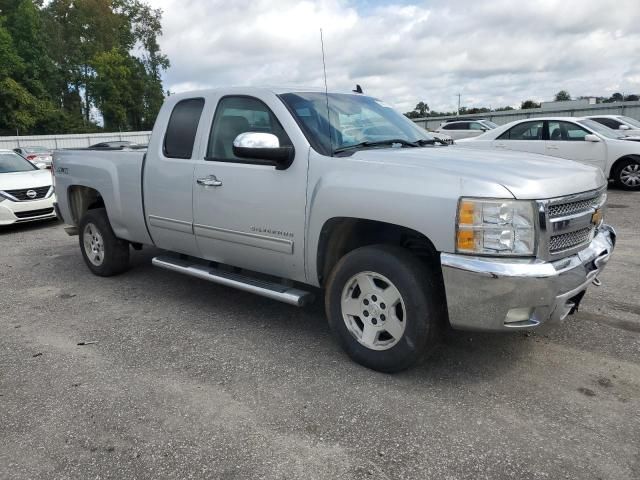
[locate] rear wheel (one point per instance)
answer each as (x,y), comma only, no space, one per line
(103,252)
(627,174)
(382,305)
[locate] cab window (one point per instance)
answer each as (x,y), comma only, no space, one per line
(236,115)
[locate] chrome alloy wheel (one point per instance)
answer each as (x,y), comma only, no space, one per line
(93,244)
(630,175)
(373,310)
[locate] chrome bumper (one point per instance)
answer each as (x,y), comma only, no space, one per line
(499,294)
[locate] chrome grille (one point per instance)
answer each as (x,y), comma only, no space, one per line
(21,195)
(571,208)
(566,241)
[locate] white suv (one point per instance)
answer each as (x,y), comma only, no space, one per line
(457,129)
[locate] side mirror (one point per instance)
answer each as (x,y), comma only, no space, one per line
(624,127)
(263,146)
(41,166)
(590,137)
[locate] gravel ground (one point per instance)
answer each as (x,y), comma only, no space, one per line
(192,380)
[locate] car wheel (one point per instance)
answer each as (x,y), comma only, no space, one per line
(627,174)
(103,252)
(382,306)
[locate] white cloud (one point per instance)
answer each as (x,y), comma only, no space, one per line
(493,52)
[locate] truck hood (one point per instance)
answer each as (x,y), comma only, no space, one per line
(30,179)
(526,175)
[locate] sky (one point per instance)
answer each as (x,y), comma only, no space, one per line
(493,52)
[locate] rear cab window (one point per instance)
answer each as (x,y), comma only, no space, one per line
(182,127)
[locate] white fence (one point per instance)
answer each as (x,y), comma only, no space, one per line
(71,141)
(630,109)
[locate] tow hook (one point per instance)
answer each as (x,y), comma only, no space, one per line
(597,282)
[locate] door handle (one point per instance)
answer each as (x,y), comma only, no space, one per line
(552,147)
(210,181)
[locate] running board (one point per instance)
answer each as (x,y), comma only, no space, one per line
(275,291)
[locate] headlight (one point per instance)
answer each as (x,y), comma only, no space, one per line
(495,227)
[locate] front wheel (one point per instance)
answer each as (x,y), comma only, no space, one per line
(627,174)
(103,252)
(382,305)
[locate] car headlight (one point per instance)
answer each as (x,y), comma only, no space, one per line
(495,227)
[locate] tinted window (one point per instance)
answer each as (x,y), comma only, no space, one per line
(236,115)
(182,127)
(608,122)
(457,126)
(524,131)
(566,131)
(477,126)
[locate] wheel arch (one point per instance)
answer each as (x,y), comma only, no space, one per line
(616,164)
(341,235)
(82,199)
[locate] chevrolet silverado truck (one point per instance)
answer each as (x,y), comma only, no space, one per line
(294,193)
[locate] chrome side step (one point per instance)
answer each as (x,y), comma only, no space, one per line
(275,291)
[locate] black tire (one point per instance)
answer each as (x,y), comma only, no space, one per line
(422,298)
(115,252)
(620,169)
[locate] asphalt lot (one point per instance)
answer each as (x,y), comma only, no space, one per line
(193,380)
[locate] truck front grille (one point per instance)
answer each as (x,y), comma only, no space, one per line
(22,196)
(571,208)
(568,223)
(567,241)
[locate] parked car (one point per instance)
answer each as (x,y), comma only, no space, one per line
(26,192)
(626,126)
(580,139)
(36,154)
(403,234)
(113,144)
(457,129)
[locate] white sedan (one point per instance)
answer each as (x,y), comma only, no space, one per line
(26,192)
(624,125)
(580,139)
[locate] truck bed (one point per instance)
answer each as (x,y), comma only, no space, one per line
(116,175)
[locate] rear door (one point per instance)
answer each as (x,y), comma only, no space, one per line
(567,140)
(523,137)
(254,215)
(168,178)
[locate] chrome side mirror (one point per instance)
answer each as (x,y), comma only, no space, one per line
(590,137)
(263,146)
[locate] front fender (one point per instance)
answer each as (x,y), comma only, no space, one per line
(413,198)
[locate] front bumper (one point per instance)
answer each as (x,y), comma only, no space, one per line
(28,211)
(499,294)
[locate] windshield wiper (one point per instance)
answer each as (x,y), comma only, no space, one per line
(369,143)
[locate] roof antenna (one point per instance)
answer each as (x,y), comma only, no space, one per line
(326,93)
(358,89)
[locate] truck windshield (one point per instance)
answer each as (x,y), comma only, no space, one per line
(11,162)
(355,121)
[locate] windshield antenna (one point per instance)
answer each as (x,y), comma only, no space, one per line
(326,92)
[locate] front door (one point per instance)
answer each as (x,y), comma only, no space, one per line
(247,213)
(567,140)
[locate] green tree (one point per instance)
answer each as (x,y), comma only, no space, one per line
(562,96)
(529,104)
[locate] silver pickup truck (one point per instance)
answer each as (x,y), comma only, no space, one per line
(286,192)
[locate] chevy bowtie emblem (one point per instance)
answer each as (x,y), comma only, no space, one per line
(597,217)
